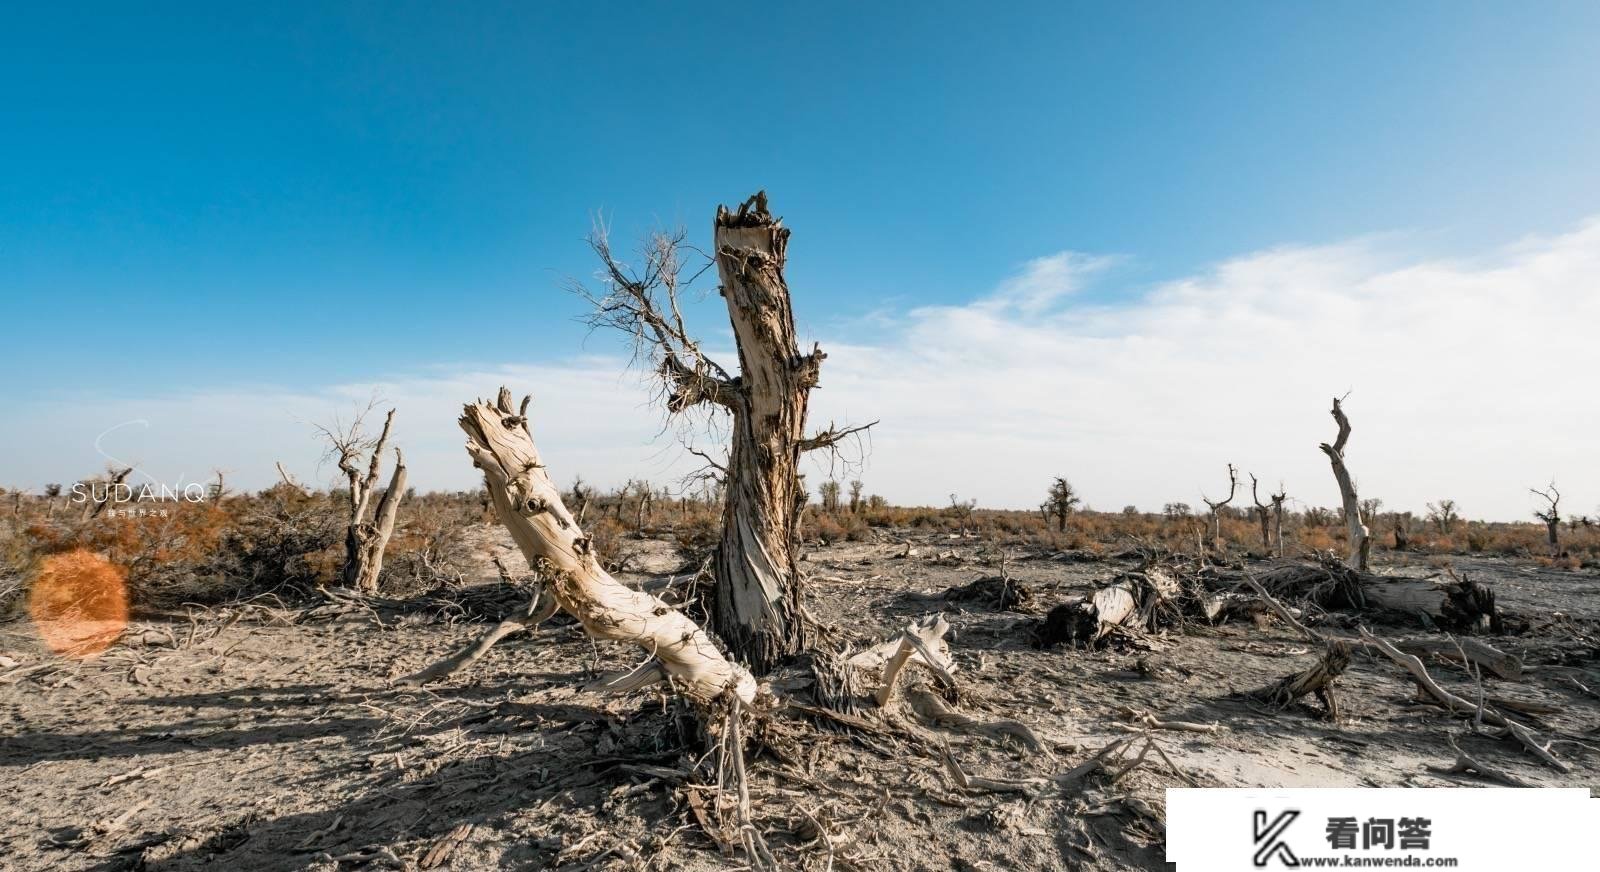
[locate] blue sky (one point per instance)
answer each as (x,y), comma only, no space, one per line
(194,197)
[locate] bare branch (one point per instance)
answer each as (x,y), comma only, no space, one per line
(645,306)
(832,436)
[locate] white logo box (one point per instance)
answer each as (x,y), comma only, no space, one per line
(1226,829)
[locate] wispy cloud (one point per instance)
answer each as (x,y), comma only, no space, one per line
(1468,380)
(1044,281)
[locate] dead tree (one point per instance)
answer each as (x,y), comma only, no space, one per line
(580,496)
(113,480)
(290,481)
(962,511)
(1360,545)
(218,491)
(755,602)
(1263,516)
(370,523)
(1278,499)
(828,492)
(1443,515)
(530,506)
(1216,508)
(1551,516)
(1060,502)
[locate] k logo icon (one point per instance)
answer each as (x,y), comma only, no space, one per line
(1269,838)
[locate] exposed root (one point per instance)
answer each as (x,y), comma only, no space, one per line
(1466,764)
(533,613)
(932,708)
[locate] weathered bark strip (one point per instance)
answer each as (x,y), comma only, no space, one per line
(529,505)
(1360,545)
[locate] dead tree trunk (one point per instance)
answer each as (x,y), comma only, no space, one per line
(1278,500)
(1263,516)
(529,505)
(1402,541)
(1216,508)
(365,540)
(1360,545)
(1551,516)
(755,603)
(757,600)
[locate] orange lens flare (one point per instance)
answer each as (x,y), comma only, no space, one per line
(79,603)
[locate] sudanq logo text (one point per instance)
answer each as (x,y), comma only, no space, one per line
(100,492)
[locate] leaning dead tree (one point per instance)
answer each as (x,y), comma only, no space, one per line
(755,603)
(1360,544)
(1551,516)
(530,506)
(1216,507)
(370,523)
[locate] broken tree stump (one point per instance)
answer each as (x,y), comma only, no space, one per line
(1318,679)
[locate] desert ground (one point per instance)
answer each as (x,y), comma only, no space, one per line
(261,734)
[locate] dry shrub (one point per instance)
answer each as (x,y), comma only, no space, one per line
(697,535)
(428,548)
(606,535)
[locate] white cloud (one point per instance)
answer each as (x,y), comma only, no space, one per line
(1043,281)
(1469,380)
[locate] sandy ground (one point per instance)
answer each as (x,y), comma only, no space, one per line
(263,738)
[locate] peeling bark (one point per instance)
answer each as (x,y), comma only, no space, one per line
(756,604)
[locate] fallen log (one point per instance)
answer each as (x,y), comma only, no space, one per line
(1460,707)
(1459,605)
(1478,652)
